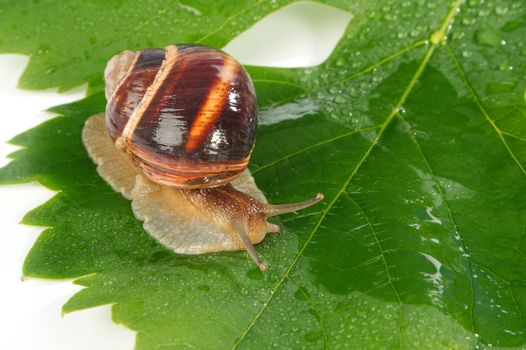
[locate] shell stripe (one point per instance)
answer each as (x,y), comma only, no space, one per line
(135,118)
(212,105)
(189,167)
(165,89)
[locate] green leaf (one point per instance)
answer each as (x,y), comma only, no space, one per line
(416,139)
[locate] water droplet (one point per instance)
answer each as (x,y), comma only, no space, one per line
(400,110)
(468,21)
(501,10)
(341,62)
(489,37)
(340,99)
(43,49)
(501,86)
(466,54)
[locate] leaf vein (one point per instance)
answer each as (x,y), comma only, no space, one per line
(462,251)
(447,21)
(475,97)
(303,150)
(508,284)
(384,260)
(514,136)
(358,74)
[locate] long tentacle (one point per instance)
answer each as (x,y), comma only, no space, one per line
(273,210)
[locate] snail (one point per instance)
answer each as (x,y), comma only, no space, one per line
(176,140)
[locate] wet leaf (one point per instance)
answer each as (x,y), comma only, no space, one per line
(414,128)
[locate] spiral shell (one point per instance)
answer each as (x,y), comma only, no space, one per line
(186,115)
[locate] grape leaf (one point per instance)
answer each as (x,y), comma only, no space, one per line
(414,129)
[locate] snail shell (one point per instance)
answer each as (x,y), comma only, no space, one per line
(186,115)
(176,139)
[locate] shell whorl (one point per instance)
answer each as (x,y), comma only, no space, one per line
(186,115)
(117,69)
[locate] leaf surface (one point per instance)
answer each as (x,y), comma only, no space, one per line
(414,129)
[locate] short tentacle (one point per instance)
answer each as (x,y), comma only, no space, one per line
(273,228)
(243,234)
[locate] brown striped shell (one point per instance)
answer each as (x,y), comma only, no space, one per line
(186,115)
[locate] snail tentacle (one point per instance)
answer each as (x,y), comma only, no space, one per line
(278,209)
(243,234)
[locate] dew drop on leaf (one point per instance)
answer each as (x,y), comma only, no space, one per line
(489,37)
(501,10)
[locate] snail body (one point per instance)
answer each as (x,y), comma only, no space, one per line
(176,139)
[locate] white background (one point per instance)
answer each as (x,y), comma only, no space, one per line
(30,317)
